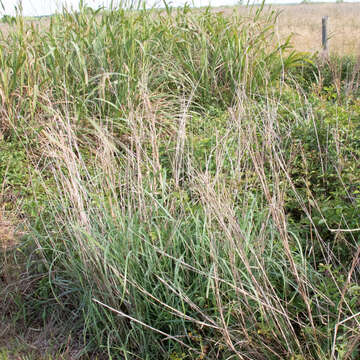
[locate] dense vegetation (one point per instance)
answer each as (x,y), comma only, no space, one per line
(188,188)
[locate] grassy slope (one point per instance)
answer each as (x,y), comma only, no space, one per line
(188,192)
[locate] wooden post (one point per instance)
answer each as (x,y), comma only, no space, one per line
(324,34)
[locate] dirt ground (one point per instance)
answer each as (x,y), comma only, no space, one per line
(8,236)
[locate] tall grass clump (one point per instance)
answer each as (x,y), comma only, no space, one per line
(100,60)
(179,191)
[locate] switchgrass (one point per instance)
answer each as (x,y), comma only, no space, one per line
(161,165)
(99,62)
(146,266)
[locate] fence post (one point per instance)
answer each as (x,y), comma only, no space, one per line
(324,34)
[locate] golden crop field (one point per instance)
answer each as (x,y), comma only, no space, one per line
(303,22)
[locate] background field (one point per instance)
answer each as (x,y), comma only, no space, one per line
(303,22)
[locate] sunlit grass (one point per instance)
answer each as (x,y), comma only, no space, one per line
(171,170)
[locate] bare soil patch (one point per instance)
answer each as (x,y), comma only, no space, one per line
(8,235)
